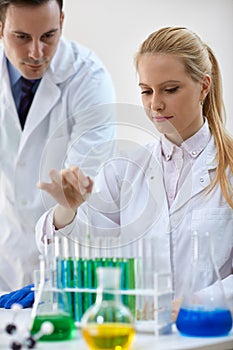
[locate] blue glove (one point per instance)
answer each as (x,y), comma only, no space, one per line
(23,296)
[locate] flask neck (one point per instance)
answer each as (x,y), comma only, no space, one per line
(108,284)
(107,294)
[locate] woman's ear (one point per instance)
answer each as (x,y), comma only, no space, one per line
(206,83)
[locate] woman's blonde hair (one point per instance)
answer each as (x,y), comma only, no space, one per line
(199,60)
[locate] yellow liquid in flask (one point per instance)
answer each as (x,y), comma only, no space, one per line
(108,336)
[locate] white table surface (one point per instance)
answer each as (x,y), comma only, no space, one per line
(173,341)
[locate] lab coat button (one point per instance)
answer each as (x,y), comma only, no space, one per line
(194,153)
(202,179)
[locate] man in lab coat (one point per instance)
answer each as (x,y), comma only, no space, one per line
(69,122)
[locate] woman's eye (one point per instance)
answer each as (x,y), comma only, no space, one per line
(146,92)
(171,90)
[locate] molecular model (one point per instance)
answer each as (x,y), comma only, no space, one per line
(21,340)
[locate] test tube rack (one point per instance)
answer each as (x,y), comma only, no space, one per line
(145,287)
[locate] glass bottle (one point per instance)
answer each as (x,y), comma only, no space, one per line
(204,312)
(51,304)
(108,324)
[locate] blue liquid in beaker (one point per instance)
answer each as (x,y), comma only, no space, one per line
(204,323)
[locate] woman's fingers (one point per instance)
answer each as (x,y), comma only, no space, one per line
(68,187)
(70,178)
(74,177)
(56,181)
(55,176)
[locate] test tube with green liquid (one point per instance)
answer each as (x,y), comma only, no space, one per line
(78,283)
(96,262)
(87,282)
(130,284)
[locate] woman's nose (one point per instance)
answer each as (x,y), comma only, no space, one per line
(157,103)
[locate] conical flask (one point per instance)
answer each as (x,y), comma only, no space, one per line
(51,304)
(204,311)
(108,324)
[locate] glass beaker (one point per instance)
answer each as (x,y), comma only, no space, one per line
(51,304)
(108,324)
(204,311)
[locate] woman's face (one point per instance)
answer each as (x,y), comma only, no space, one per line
(171,98)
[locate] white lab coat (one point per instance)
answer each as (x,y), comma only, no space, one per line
(132,203)
(69,123)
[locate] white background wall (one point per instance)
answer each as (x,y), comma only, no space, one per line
(115,29)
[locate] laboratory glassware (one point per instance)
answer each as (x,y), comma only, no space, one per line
(108,324)
(76,271)
(204,311)
(51,305)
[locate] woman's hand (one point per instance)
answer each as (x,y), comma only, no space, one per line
(69,187)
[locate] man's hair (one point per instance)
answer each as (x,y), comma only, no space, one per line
(5,3)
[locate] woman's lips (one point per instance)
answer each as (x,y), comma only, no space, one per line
(161,119)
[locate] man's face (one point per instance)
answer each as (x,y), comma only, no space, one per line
(30,36)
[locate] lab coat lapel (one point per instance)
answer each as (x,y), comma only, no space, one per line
(198,178)
(10,133)
(161,213)
(48,92)
(196,182)
(45,98)
(154,175)
(6,98)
